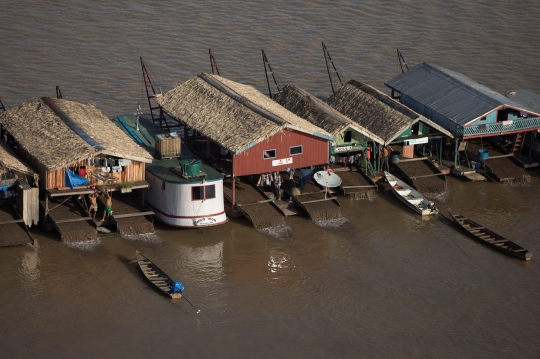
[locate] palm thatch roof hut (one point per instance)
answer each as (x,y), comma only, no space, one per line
(378,112)
(348,135)
(54,134)
(259,133)
(9,162)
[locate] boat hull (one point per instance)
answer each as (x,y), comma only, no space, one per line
(411,197)
(490,238)
(156,276)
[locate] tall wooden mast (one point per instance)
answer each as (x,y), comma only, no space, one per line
(156,111)
(213,63)
(268,70)
(402,62)
(329,62)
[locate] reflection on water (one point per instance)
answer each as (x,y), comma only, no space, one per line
(278,260)
(30,263)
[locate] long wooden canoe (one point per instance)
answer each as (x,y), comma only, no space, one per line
(411,197)
(493,239)
(156,276)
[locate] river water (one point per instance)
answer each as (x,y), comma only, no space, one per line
(385,283)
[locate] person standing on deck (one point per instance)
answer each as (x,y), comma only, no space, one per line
(93,205)
(385,153)
(107,212)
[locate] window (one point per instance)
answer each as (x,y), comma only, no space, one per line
(269,154)
(348,137)
(199,193)
(295,150)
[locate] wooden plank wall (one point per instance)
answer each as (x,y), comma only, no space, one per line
(132,173)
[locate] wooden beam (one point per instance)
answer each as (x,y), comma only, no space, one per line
(137,214)
(13,221)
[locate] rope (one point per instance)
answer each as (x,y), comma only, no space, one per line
(447,233)
(60,204)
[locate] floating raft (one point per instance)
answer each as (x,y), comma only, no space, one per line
(356,184)
(12,227)
(70,220)
(127,215)
(253,204)
(423,175)
(312,200)
(500,165)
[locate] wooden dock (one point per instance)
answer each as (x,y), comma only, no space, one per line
(253,204)
(356,184)
(500,166)
(73,224)
(423,175)
(12,228)
(313,200)
(127,216)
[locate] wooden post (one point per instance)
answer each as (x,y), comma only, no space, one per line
(456,153)
(440,150)
(234,192)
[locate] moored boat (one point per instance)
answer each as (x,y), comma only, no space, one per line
(411,197)
(489,237)
(158,278)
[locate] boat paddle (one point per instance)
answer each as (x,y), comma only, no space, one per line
(198,310)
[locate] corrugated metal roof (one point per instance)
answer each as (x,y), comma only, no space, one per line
(451,94)
(526,98)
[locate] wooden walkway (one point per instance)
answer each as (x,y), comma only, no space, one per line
(356,184)
(73,224)
(500,165)
(127,215)
(313,201)
(253,204)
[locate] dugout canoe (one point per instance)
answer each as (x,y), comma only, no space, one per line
(411,197)
(156,276)
(489,237)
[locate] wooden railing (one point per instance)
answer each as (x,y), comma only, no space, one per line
(499,127)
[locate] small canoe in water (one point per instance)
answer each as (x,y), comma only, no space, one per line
(493,239)
(411,197)
(156,276)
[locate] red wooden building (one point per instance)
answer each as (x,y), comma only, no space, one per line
(260,135)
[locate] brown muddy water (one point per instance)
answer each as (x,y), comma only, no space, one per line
(384,283)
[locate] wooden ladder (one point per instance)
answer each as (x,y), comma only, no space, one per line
(518,143)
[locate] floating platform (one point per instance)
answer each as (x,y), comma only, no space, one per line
(66,215)
(356,184)
(12,228)
(253,204)
(313,200)
(127,216)
(500,165)
(423,175)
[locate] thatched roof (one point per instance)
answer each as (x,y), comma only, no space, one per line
(9,159)
(235,116)
(376,111)
(319,113)
(46,136)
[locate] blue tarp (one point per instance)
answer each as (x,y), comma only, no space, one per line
(73,180)
(306,174)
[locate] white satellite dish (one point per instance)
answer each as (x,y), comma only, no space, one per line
(327,179)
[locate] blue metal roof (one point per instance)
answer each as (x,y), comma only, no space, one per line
(451,94)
